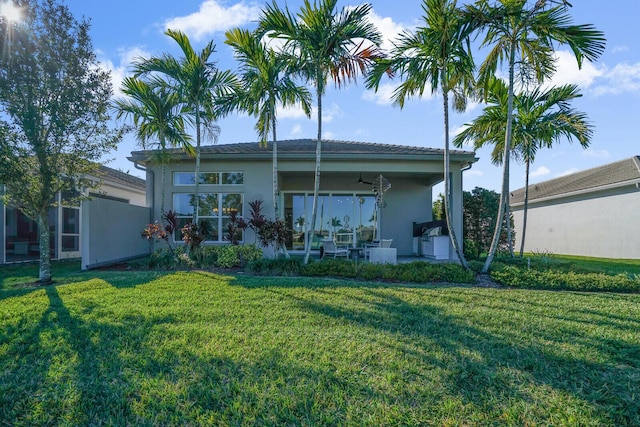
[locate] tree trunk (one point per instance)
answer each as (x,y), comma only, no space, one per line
(276,195)
(197,173)
(526,205)
(316,186)
(504,194)
(163,168)
(44,277)
(447,183)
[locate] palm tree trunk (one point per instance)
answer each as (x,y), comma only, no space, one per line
(507,217)
(197,172)
(526,205)
(163,168)
(504,194)
(275,170)
(316,186)
(276,195)
(447,182)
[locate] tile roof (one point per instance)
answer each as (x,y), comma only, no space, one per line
(304,147)
(120,177)
(620,172)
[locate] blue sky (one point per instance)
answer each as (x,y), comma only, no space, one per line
(122,30)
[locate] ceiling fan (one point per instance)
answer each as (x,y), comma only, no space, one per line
(362,181)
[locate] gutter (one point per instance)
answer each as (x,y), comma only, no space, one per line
(636,183)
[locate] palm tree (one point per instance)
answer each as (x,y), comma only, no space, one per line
(198,82)
(322,43)
(266,83)
(540,118)
(155,113)
(523,36)
(434,56)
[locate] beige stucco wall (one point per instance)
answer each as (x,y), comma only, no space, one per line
(604,224)
(409,199)
(111,232)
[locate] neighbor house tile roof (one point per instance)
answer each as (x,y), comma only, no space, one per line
(120,177)
(307,147)
(617,173)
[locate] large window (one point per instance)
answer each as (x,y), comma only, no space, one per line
(209,178)
(351,219)
(215,208)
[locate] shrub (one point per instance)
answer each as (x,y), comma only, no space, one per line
(236,256)
(416,272)
(561,280)
(422,272)
(205,256)
(371,271)
(331,267)
(168,259)
(275,267)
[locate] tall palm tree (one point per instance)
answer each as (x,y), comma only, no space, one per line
(541,118)
(434,56)
(266,83)
(155,112)
(523,36)
(198,82)
(321,43)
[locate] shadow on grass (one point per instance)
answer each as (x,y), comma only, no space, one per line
(487,369)
(64,371)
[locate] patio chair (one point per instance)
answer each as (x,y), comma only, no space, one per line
(330,248)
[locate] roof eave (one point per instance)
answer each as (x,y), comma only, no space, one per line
(632,182)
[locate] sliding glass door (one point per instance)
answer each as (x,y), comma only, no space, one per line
(351,219)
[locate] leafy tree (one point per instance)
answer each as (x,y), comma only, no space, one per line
(155,112)
(523,36)
(541,117)
(266,83)
(480,212)
(434,56)
(198,82)
(438,208)
(322,43)
(54,112)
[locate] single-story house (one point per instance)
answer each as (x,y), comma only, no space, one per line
(233,175)
(119,192)
(595,212)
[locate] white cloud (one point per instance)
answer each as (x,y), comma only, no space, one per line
(328,135)
(474,172)
(623,78)
(120,70)
(290,113)
(567,172)
(382,96)
(597,154)
(387,27)
(620,49)
(329,113)
(567,71)
(296,131)
(540,171)
(213,17)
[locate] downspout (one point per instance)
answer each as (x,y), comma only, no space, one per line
(148,174)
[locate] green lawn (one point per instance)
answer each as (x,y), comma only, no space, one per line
(149,348)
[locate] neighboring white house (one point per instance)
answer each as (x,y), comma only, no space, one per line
(19,236)
(595,212)
(232,175)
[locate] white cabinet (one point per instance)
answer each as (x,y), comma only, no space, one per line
(436,247)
